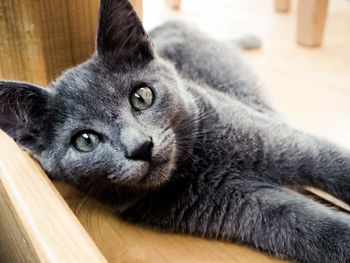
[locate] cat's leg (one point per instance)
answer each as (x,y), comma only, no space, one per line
(292,157)
(278,221)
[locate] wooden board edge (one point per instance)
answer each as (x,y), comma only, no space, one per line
(36,212)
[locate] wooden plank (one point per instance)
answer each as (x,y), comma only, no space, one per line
(40,39)
(21,55)
(311,22)
(13,241)
(282,5)
(35,222)
(83,19)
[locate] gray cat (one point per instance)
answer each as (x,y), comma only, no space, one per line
(177,137)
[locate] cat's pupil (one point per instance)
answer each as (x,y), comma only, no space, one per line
(87,138)
(86,142)
(139,98)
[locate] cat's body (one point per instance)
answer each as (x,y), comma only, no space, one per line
(208,156)
(244,158)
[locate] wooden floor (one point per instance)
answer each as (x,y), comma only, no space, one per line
(311,87)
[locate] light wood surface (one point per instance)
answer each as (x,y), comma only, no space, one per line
(282,5)
(40,39)
(21,55)
(311,21)
(35,222)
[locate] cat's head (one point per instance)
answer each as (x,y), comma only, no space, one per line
(115,119)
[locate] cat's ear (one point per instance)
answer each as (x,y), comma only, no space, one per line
(121,37)
(22,109)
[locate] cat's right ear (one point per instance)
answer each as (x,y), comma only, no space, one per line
(121,38)
(22,109)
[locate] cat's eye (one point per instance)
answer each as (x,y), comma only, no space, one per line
(86,141)
(142,98)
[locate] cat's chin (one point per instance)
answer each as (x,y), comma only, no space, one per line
(146,175)
(158,174)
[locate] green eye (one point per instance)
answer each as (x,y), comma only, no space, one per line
(86,141)
(142,98)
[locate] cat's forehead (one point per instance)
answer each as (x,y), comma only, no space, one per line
(92,88)
(88,78)
(88,90)
(93,77)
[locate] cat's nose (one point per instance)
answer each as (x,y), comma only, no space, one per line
(141,150)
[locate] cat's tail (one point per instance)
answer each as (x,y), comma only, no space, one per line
(247,41)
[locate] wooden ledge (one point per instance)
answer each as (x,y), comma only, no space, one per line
(36,224)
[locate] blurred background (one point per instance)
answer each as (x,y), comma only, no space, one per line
(309,85)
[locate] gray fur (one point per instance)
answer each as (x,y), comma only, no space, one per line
(223,160)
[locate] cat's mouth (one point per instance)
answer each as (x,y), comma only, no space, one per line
(144,174)
(147,174)
(156,172)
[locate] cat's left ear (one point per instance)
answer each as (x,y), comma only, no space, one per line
(22,111)
(121,37)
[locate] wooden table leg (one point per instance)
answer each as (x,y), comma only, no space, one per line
(36,225)
(282,5)
(175,4)
(311,22)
